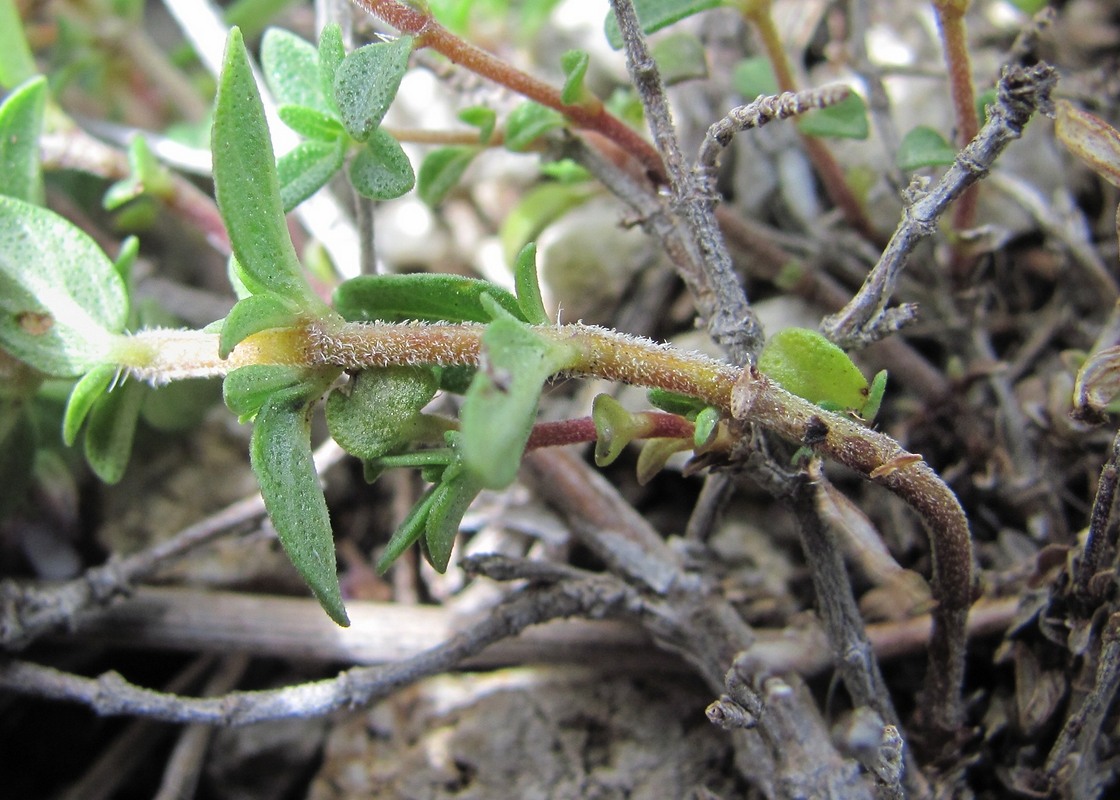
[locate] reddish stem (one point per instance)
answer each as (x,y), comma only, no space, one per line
(954,40)
(576,431)
(589,114)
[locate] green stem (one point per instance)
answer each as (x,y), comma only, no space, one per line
(589,114)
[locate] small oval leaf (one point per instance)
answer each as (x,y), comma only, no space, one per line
(501,405)
(366,82)
(112,427)
(291,69)
(381,410)
(381,170)
(246,389)
(805,363)
(924,147)
(310,123)
(574,63)
(528,122)
(440,172)
(306,168)
(85,393)
(452,499)
(845,120)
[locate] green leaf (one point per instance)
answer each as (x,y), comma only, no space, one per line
(680,57)
(653,456)
(306,168)
(528,288)
(16,62)
(706,423)
(615,427)
(409,531)
(246,389)
(112,426)
(247,187)
(61,300)
(311,123)
(291,69)
(537,209)
(1031,7)
(85,393)
(808,365)
(366,83)
(653,15)
(430,297)
(845,120)
(501,405)
(574,63)
(753,77)
(253,314)
(381,170)
(280,454)
(331,54)
(675,403)
(528,122)
(21,121)
(145,176)
(481,117)
(565,170)
(924,147)
(441,170)
(382,410)
(450,502)
(875,394)
(125,261)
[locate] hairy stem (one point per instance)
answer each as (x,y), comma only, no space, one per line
(745,395)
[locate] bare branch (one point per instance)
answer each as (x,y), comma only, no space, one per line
(111,694)
(1022,91)
(757,114)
